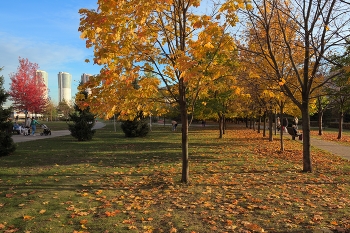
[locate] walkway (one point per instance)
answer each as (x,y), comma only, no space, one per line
(332,147)
(20,138)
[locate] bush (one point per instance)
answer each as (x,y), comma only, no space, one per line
(83,121)
(7,146)
(136,128)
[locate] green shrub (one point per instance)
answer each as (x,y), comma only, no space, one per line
(7,146)
(83,121)
(137,128)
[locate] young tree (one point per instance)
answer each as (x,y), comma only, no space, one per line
(7,146)
(305,33)
(163,37)
(83,122)
(27,90)
(64,109)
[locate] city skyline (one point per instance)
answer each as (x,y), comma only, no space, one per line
(49,38)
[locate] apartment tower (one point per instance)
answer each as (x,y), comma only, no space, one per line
(64,87)
(84,79)
(44,77)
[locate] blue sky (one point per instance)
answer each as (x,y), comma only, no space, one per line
(45,32)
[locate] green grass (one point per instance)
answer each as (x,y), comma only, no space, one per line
(118,184)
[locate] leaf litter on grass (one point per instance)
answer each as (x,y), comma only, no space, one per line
(241,183)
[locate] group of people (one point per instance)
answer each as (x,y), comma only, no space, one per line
(285,124)
(25,128)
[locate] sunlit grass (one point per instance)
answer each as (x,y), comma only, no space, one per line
(239,183)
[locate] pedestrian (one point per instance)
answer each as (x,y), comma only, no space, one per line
(285,124)
(27,126)
(203,123)
(174,125)
(278,123)
(295,122)
(33,125)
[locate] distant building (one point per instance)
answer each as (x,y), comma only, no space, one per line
(44,77)
(85,78)
(64,87)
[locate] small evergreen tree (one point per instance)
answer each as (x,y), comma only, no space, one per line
(7,146)
(135,128)
(83,121)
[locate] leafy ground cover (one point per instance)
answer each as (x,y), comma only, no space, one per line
(241,183)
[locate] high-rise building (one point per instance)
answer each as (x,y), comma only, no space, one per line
(44,77)
(64,87)
(84,79)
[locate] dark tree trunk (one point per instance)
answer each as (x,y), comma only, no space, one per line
(221,124)
(264,125)
(184,131)
(270,126)
(320,128)
(340,128)
(281,130)
(307,165)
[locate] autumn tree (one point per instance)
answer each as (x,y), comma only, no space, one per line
(7,146)
(307,34)
(168,38)
(27,90)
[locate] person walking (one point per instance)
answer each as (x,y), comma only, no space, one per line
(27,126)
(33,125)
(285,124)
(174,124)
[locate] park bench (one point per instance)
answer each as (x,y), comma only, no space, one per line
(293,134)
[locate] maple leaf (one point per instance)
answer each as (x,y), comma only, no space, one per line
(27,217)
(42,211)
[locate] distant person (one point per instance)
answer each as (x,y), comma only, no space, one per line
(17,128)
(174,125)
(295,122)
(203,123)
(278,123)
(33,124)
(285,124)
(27,125)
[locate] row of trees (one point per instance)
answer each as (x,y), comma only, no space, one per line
(284,55)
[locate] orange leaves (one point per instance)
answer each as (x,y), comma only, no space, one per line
(112,213)
(27,217)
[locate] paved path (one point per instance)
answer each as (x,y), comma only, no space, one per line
(333,147)
(20,138)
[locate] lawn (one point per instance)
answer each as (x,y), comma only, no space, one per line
(241,183)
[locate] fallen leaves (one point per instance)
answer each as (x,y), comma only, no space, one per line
(240,184)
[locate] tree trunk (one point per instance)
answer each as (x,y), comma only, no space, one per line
(264,125)
(320,128)
(307,166)
(184,131)
(221,123)
(281,130)
(275,117)
(340,128)
(270,126)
